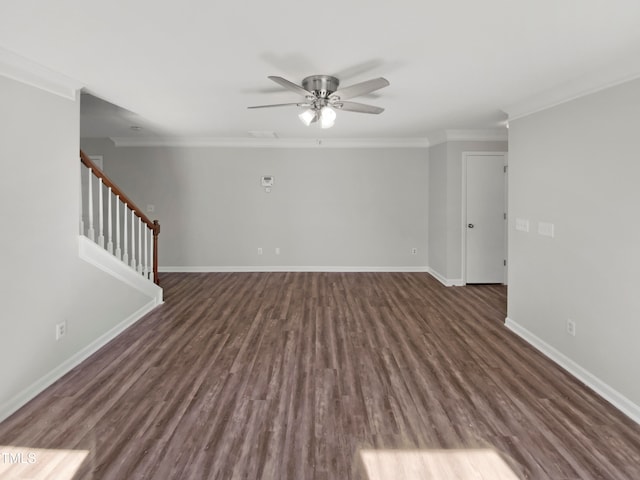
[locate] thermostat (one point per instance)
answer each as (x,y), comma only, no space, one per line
(267,181)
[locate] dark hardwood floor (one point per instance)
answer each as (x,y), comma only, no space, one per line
(323,376)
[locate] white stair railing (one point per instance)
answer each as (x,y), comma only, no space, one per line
(141,240)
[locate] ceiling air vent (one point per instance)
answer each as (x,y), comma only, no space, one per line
(262,134)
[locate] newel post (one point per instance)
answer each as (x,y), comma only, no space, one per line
(156,232)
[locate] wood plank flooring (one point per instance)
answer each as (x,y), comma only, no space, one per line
(323,376)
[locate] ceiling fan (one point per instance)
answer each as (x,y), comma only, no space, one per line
(322,98)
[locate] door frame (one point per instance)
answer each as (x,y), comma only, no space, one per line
(465,159)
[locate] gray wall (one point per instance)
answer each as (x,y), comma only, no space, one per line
(357,207)
(577,166)
(43,281)
(438,209)
(445,204)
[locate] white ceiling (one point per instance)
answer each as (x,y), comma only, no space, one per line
(191,68)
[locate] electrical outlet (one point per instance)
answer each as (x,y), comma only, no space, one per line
(571,327)
(414,251)
(61,330)
(259,250)
(277,250)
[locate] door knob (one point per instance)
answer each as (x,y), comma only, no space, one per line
(470,225)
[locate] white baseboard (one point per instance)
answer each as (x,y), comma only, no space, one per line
(97,256)
(447,282)
(289,269)
(614,397)
(17,401)
(456,282)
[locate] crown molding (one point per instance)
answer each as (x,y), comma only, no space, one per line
(436,138)
(476,135)
(31,73)
(242,142)
(602,79)
(479,135)
(484,135)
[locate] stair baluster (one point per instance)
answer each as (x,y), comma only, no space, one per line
(109,223)
(91,233)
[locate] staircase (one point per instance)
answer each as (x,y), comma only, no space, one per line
(113,222)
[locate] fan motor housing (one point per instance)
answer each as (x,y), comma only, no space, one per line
(322,85)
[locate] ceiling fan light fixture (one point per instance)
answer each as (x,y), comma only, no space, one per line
(322,95)
(308,116)
(327,117)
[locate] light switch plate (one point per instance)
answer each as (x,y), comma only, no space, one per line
(522,225)
(546,229)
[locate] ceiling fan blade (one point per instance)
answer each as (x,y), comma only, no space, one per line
(291,86)
(282,105)
(358,69)
(358,107)
(360,88)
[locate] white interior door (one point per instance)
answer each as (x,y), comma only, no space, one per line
(485,218)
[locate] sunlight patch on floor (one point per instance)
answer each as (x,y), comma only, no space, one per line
(484,464)
(39,463)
